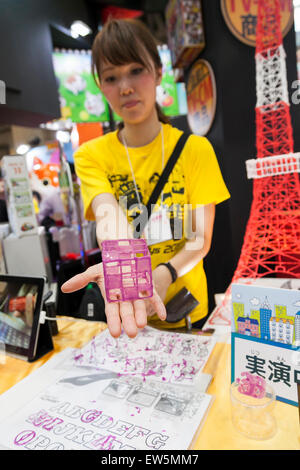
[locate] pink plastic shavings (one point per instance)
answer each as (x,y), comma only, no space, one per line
(252,385)
(127,270)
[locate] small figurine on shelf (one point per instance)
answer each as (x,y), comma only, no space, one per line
(185,31)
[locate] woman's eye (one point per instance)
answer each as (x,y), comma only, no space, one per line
(137,70)
(109,79)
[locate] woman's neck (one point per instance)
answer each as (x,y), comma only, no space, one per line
(138,135)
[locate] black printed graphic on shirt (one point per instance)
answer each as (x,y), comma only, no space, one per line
(173,196)
(125,193)
(154,178)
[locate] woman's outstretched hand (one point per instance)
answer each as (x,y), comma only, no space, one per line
(130,315)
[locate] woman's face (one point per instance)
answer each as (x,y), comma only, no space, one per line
(130,89)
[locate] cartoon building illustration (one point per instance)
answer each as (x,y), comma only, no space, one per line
(248,326)
(281,330)
(273,328)
(273,321)
(297,328)
(238,309)
(265,314)
(289,331)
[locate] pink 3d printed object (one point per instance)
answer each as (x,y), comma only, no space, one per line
(252,385)
(127,270)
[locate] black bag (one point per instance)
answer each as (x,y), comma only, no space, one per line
(138,230)
(92,306)
(183,302)
(68,304)
(180,306)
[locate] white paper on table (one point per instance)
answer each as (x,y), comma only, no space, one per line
(167,357)
(67,406)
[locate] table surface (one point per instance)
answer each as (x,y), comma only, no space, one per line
(217,431)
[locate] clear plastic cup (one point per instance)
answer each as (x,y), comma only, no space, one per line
(253,417)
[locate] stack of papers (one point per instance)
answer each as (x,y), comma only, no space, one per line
(112,394)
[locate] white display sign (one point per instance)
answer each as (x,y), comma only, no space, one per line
(265,326)
(278,365)
(20,207)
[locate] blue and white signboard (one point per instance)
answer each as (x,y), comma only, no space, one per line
(266,333)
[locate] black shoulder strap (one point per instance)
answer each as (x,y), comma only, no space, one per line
(162,180)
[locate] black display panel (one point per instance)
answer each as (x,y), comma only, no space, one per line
(21,300)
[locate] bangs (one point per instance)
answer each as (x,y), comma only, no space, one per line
(120,53)
(122,43)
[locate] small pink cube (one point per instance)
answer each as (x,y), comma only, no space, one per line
(127,270)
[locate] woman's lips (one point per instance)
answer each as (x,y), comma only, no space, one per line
(130,104)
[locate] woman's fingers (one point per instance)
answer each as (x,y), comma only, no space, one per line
(140,313)
(157,305)
(92,274)
(127,315)
(112,311)
(130,315)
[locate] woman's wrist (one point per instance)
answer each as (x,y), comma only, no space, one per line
(167,272)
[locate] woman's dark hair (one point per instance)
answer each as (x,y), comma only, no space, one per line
(37,195)
(121,42)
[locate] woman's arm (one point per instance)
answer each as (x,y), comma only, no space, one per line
(111,222)
(192,252)
(112,225)
(195,250)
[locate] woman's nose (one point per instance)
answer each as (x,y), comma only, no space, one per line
(125,87)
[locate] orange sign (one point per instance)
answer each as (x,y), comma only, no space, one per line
(241,18)
(201,97)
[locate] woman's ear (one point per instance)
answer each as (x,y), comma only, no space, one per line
(158,76)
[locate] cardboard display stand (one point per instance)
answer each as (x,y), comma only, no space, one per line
(266,333)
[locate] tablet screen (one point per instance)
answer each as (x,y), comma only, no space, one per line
(20,305)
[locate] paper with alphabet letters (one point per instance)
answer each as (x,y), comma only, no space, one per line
(79,401)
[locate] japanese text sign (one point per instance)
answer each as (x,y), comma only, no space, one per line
(266,333)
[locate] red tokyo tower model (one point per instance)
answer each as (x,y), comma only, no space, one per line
(271,244)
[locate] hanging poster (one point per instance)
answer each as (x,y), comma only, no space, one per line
(166,92)
(20,207)
(181,96)
(241,18)
(201,97)
(80,98)
(185,31)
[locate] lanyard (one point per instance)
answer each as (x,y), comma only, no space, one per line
(132,172)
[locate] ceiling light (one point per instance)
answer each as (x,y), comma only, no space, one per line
(78,28)
(63,136)
(74,34)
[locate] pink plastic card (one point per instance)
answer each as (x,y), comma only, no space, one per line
(127,270)
(252,385)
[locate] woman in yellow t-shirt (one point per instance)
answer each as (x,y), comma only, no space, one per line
(118,172)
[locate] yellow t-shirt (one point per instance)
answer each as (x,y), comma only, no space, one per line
(102,166)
